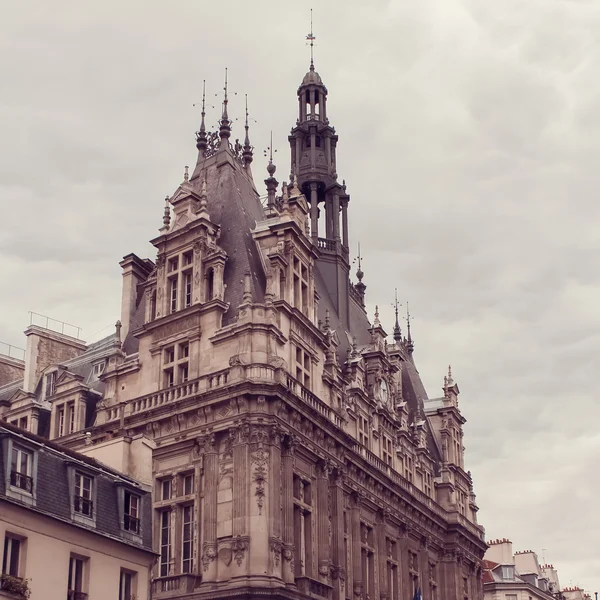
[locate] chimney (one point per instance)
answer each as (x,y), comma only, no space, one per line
(46,347)
(500,551)
(135,271)
(12,363)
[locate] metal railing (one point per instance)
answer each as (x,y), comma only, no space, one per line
(23,482)
(54,325)
(131,524)
(12,350)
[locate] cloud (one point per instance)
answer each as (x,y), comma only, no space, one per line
(468,137)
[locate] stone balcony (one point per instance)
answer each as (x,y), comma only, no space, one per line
(173,586)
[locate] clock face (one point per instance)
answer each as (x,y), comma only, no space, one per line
(384,391)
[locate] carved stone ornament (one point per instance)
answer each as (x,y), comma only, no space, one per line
(239,545)
(358,588)
(209,554)
(276,547)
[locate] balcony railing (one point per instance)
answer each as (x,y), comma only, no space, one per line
(173,585)
(23,482)
(84,506)
(312,587)
(131,524)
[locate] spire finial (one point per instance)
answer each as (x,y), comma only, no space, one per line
(376,322)
(359,271)
(201,139)
(450,380)
(311,38)
(225,129)
(247,150)
(186,173)
(397,331)
(270,181)
(409,342)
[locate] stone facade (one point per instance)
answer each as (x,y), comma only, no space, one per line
(293,451)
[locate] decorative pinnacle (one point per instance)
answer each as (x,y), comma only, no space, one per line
(167,213)
(449,379)
(186,173)
(271,168)
(225,129)
(409,341)
(397,331)
(247,151)
(201,139)
(203,201)
(311,38)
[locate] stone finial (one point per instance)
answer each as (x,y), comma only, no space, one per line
(449,380)
(167,213)
(186,173)
(376,322)
(118,331)
(203,201)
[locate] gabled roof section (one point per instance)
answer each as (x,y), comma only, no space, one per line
(234,204)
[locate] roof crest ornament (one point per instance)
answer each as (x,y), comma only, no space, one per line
(409,342)
(167,214)
(270,181)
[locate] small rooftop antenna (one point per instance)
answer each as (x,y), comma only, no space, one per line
(311,38)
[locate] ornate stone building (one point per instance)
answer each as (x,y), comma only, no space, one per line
(294,451)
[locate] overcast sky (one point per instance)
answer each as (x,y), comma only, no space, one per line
(470,142)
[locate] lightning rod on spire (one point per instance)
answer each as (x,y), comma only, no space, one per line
(311,38)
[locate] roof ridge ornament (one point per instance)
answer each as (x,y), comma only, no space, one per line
(201,139)
(247,149)
(397,331)
(311,38)
(225,123)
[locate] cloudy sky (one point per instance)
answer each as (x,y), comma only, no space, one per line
(470,143)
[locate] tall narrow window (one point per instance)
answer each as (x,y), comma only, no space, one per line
(20,469)
(187,289)
(23,422)
(187,539)
(363,430)
(127,585)
(392,570)
(83,495)
(11,559)
(131,513)
(368,558)
(173,284)
(71,417)
(386,448)
(188,485)
(165,542)
(210,285)
(76,578)
(303,527)
(60,421)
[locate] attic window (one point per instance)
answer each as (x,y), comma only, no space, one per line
(508,572)
(98,369)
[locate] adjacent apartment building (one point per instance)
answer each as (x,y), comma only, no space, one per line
(520,576)
(71,528)
(291,446)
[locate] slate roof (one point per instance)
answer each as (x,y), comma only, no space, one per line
(234,204)
(52,496)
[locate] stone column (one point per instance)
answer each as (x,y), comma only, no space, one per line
(337,536)
(323,550)
(336,216)
(211,483)
(345,222)
(275,517)
(357,575)
(314,212)
(381,548)
(287,515)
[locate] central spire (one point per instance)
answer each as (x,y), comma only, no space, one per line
(225,123)
(312,39)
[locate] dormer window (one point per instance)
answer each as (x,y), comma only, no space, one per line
(180,281)
(131,515)
(50,384)
(98,369)
(83,503)
(21,469)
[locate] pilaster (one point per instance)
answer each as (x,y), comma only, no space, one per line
(323,550)
(287,513)
(380,541)
(211,482)
(357,575)
(337,536)
(275,516)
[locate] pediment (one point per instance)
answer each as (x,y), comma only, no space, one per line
(20,395)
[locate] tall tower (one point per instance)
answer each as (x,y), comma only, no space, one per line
(313,143)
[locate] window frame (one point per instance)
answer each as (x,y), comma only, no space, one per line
(23,495)
(8,558)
